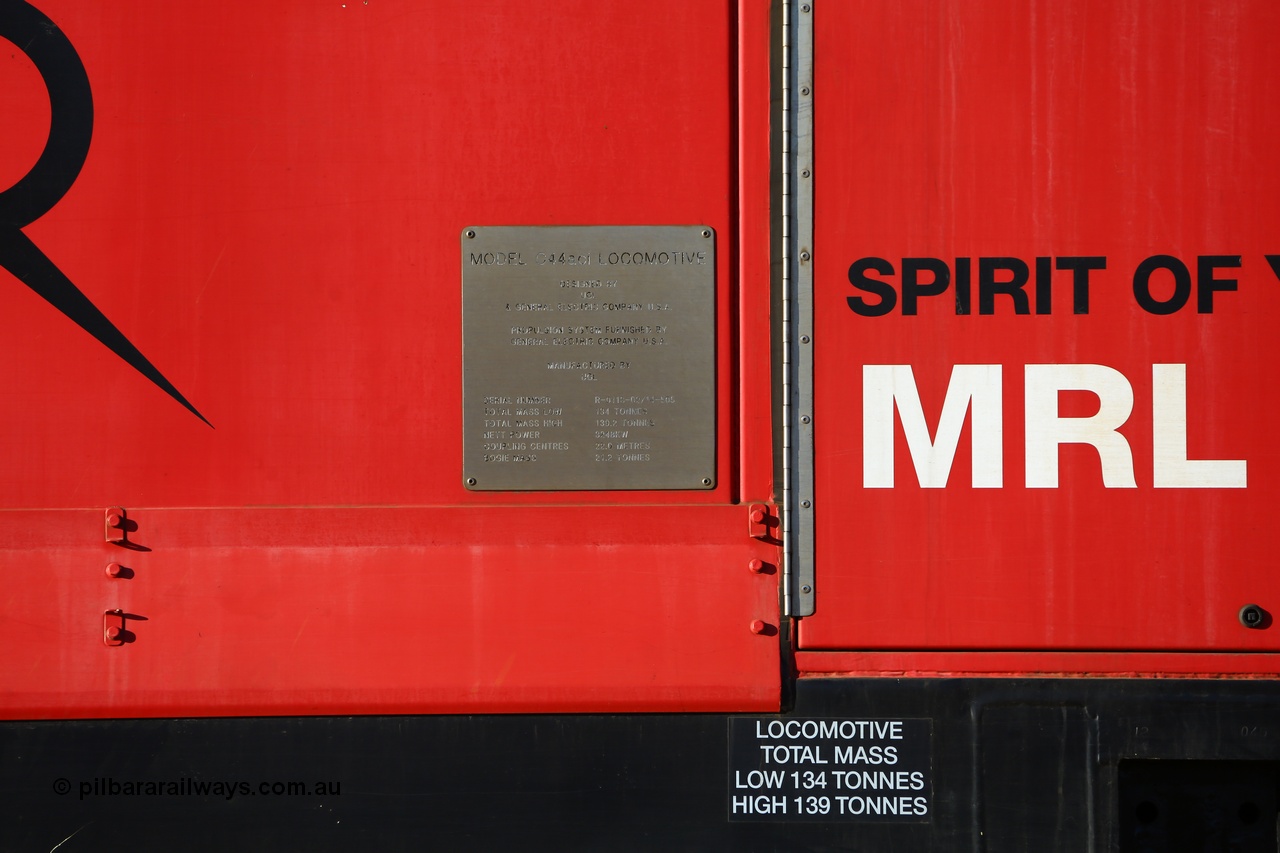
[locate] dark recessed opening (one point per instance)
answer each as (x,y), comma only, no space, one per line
(1180,806)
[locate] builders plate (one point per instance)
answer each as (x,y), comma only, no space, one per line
(588,357)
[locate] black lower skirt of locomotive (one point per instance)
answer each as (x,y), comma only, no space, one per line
(871,764)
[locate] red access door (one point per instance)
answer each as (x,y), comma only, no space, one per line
(269,215)
(1045,278)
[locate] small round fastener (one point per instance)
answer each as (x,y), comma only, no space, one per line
(1253,616)
(706,232)
(806,504)
(804,256)
(805,419)
(806,589)
(757,516)
(759,626)
(113,570)
(756,565)
(113,633)
(471,481)
(114,519)
(470,234)
(804,339)
(706,481)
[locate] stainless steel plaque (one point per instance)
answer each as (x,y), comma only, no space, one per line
(588,357)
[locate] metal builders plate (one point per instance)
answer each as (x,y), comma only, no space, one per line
(588,357)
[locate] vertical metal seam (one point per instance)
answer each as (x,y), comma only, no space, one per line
(798,309)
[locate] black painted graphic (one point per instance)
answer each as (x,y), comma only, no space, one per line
(70,130)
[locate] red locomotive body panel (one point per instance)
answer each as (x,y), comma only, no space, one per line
(1045,276)
(270,212)
(915,494)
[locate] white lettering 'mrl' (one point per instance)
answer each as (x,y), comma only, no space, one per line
(976,388)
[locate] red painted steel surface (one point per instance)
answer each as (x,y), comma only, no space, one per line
(270,211)
(1121,130)
(1046,664)
(755,369)
(386,610)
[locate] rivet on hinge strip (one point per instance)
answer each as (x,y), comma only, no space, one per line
(113,632)
(759,521)
(115,525)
